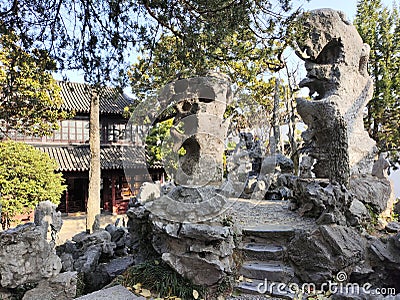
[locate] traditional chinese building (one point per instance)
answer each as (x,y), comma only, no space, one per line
(69,146)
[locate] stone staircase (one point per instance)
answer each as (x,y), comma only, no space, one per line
(264,249)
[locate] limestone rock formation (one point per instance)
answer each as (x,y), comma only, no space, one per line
(26,257)
(199,252)
(200,127)
(336,63)
(59,287)
(48,220)
(319,255)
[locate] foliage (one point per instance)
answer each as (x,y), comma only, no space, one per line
(247,64)
(99,36)
(159,278)
(29,96)
(27,177)
(157,135)
(380,28)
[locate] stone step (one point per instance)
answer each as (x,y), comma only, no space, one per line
(271,271)
(268,234)
(254,251)
(261,287)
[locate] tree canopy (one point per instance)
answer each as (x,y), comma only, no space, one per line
(27,177)
(99,36)
(380,28)
(29,96)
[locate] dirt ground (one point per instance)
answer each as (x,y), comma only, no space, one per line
(77,223)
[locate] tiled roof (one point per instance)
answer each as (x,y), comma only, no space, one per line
(77,158)
(76,98)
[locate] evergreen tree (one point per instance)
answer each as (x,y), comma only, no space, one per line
(380,28)
(27,177)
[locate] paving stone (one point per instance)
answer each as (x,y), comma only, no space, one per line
(117,292)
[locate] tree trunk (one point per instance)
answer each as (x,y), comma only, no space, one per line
(275,145)
(93,203)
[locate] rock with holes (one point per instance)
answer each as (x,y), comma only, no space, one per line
(199,128)
(336,63)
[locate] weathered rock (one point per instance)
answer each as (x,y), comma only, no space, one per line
(320,199)
(374,192)
(393,227)
(200,106)
(380,167)
(336,63)
(106,272)
(48,219)
(321,254)
(59,287)
(196,269)
(117,292)
(199,252)
(357,214)
(26,257)
(189,204)
(305,167)
(140,230)
(121,238)
(385,260)
(6,294)
(148,192)
(85,253)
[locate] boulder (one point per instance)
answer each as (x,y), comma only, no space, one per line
(148,192)
(59,287)
(321,254)
(357,213)
(340,88)
(385,260)
(196,269)
(375,192)
(106,272)
(48,219)
(26,256)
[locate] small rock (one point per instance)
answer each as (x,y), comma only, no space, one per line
(393,227)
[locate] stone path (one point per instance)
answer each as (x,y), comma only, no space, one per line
(246,212)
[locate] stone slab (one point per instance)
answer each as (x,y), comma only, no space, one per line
(117,292)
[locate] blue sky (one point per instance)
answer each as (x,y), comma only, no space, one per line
(347,6)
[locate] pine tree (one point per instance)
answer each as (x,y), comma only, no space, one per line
(380,28)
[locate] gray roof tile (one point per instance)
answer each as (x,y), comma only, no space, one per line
(77,158)
(76,98)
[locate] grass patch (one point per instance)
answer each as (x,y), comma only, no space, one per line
(161,279)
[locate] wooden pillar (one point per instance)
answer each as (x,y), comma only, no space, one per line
(66,200)
(113,195)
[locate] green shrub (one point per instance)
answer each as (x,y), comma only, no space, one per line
(27,177)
